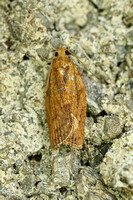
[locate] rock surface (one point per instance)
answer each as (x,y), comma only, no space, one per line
(100,35)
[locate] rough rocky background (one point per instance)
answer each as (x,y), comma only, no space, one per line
(100,34)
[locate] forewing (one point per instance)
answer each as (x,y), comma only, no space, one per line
(78,112)
(58,108)
(65,104)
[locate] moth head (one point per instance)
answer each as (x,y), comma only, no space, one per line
(62,52)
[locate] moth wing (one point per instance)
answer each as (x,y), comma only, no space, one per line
(78,112)
(58,111)
(66,108)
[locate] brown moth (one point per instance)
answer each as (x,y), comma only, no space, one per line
(65,102)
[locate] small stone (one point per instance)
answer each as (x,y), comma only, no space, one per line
(94,92)
(64,169)
(112,127)
(90,186)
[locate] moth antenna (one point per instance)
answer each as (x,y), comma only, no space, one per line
(79,60)
(82,62)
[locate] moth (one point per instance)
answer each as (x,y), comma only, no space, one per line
(65,102)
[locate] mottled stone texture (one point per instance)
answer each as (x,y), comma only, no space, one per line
(100,34)
(117,166)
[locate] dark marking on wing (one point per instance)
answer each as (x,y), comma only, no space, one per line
(66,75)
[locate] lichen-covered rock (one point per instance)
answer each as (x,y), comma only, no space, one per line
(95,91)
(3,198)
(65,177)
(90,187)
(117,166)
(100,34)
(112,128)
(104,130)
